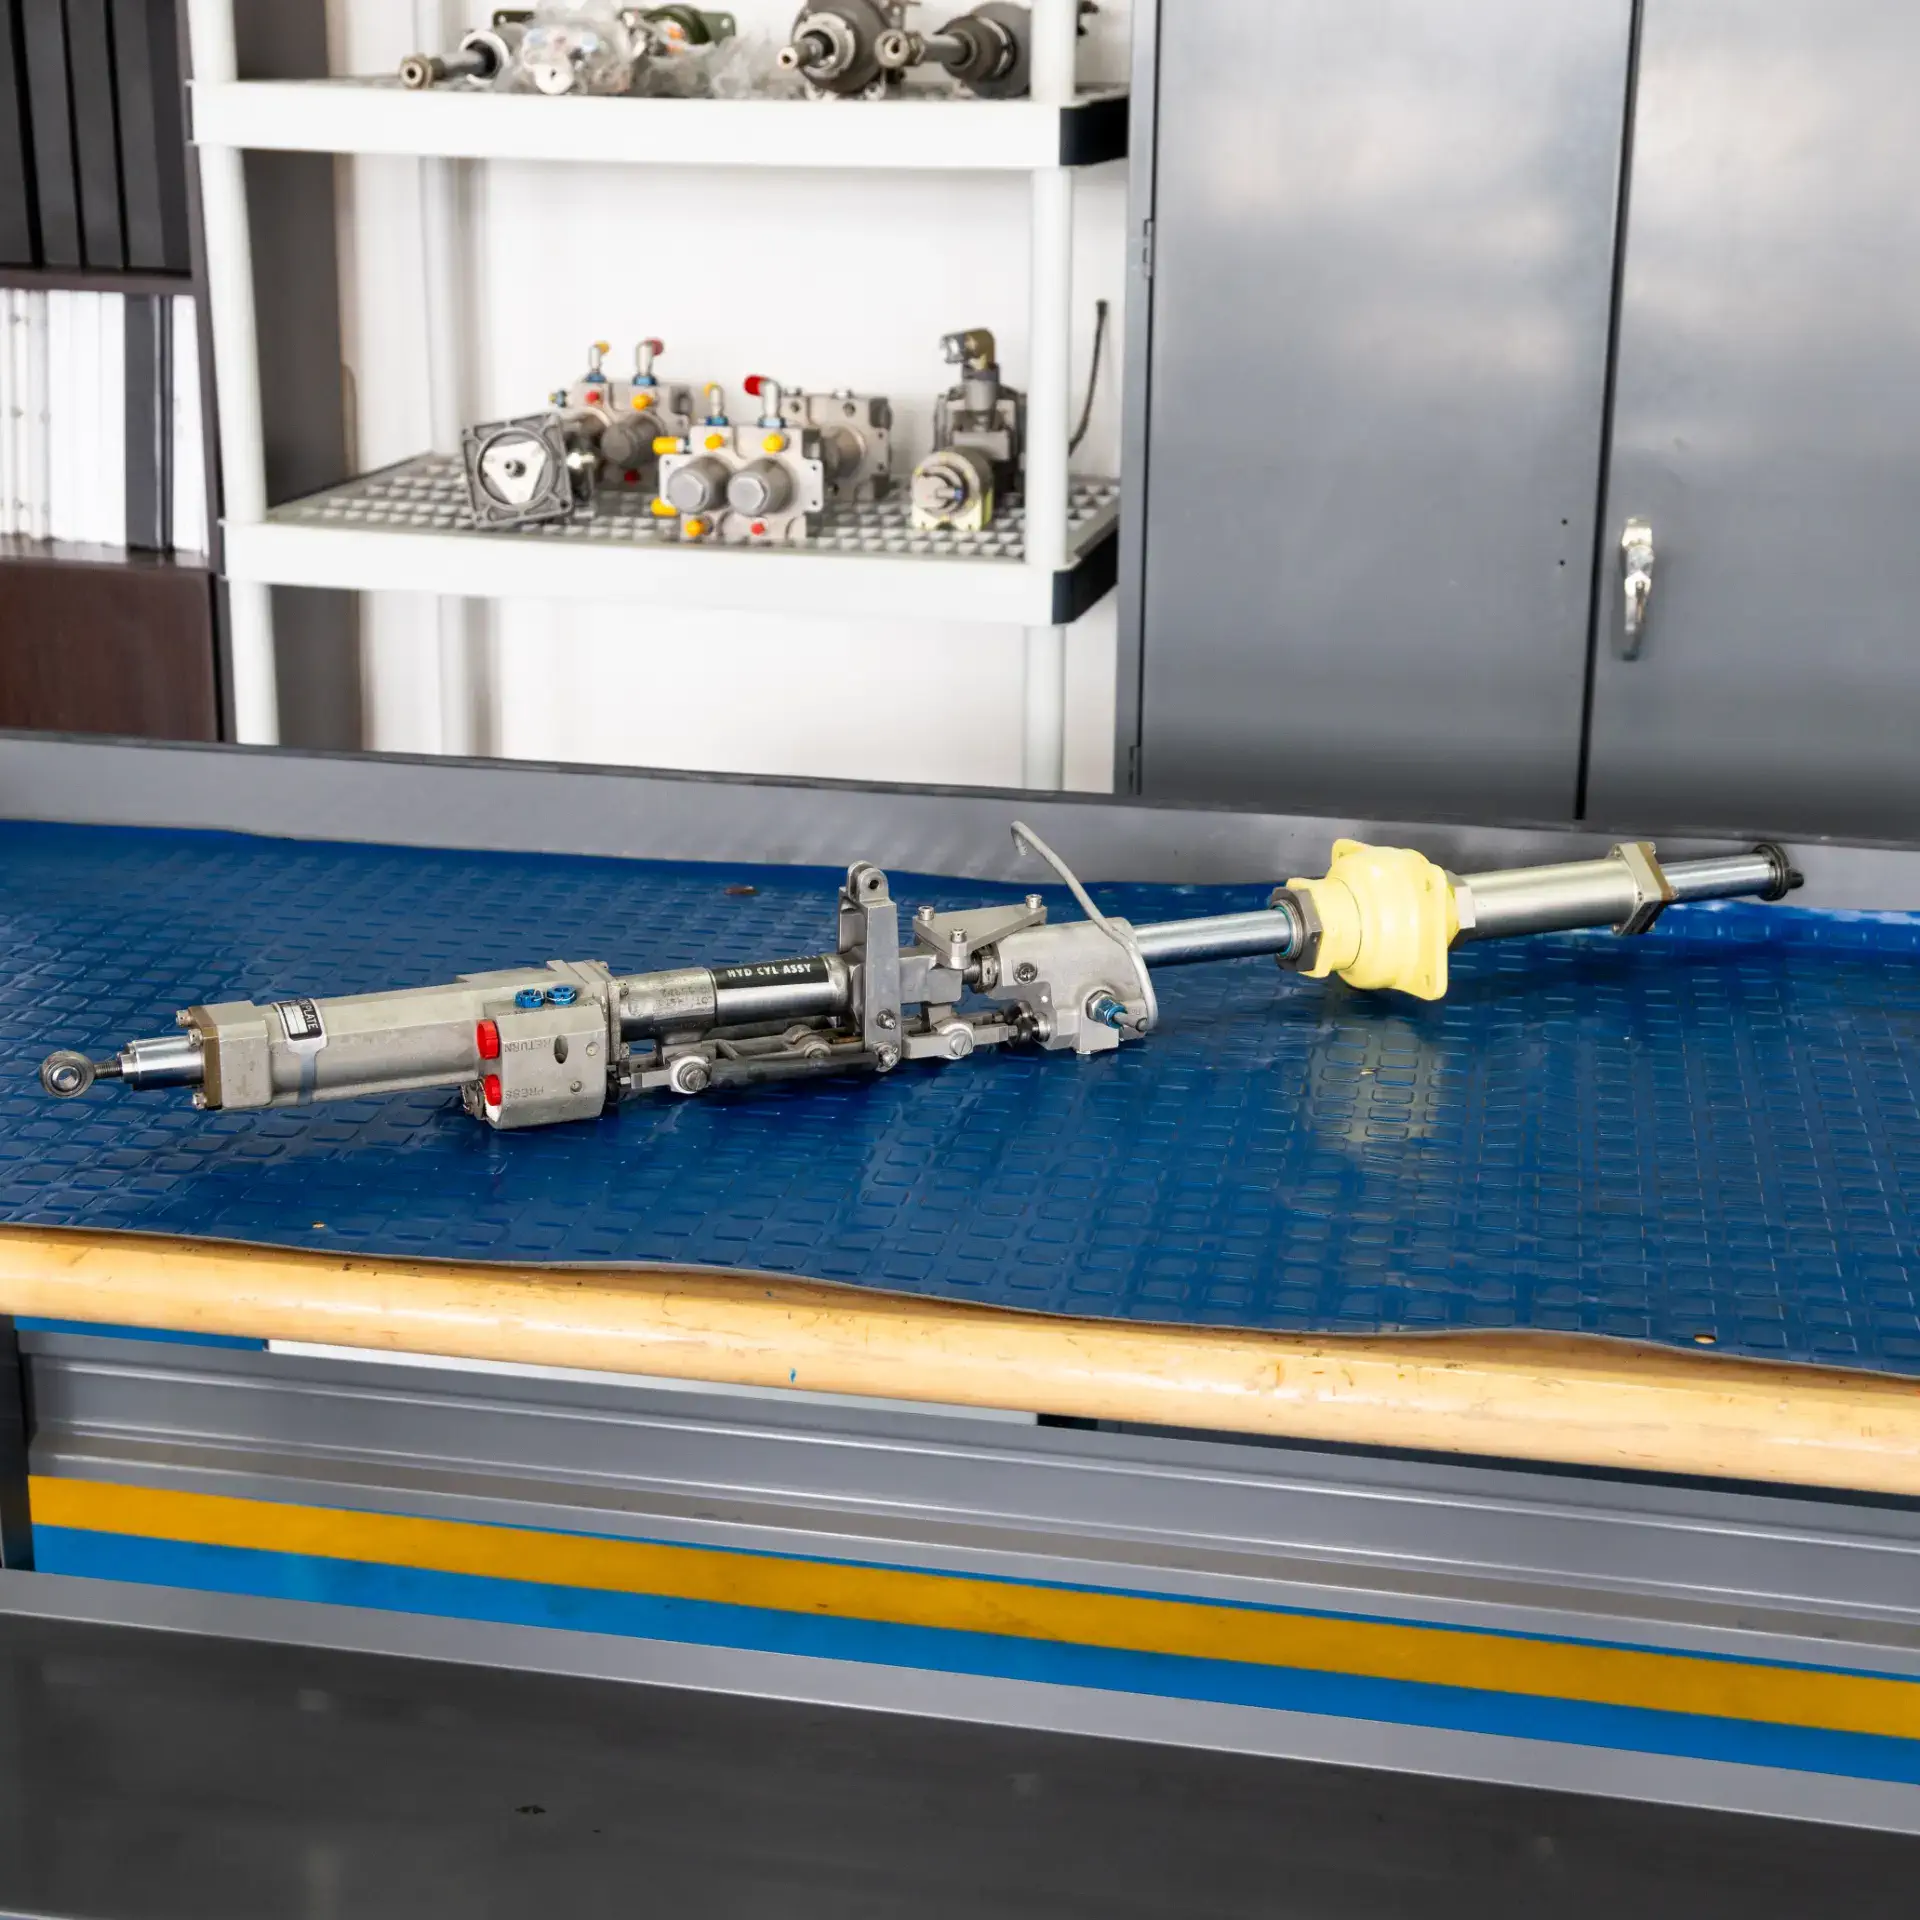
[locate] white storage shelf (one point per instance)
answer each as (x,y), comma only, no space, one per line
(936,135)
(407,528)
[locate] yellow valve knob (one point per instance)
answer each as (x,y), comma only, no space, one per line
(774,443)
(1387,917)
(664,510)
(715,441)
(641,402)
(603,346)
(694,528)
(666,443)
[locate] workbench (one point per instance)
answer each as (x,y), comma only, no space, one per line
(1184,1395)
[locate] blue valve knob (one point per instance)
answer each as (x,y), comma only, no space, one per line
(563,996)
(530,997)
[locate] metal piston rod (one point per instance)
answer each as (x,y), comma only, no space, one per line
(533,1046)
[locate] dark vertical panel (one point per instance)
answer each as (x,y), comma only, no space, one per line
(16,1523)
(19,244)
(290,202)
(56,182)
(144,162)
(1767,427)
(96,133)
(149,421)
(1373,591)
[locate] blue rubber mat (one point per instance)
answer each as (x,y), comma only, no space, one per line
(1711,1134)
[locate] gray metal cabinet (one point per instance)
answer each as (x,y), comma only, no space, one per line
(1369,385)
(1767,426)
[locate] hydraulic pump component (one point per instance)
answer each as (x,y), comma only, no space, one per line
(526,472)
(856,442)
(836,48)
(979,441)
(988,52)
(536,1045)
(484,57)
(567,49)
(603,431)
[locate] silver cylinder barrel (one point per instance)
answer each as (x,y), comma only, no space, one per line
(1581,893)
(781,990)
(1627,891)
(691,999)
(1229,936)
(174,1060)
(680,1001)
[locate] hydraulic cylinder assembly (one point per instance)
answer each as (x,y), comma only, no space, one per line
(535,1045)
(562,49)
(979,441)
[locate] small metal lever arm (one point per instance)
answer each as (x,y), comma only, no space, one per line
(1636,582)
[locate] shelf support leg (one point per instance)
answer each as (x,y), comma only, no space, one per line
(1050,371)
(1043,757)
(236,353)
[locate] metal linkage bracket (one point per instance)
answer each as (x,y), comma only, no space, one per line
(1654,892)
(957,937)
(870,940)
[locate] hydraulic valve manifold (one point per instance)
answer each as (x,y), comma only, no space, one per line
(766,483)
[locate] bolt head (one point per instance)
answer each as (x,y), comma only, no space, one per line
(885,1019)
(1036,901)
(200,1102)
(887,1059)
(183,1018)
(1026,973)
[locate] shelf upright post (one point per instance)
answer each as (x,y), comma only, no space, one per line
(236,351)
(466,692)
(1056,26)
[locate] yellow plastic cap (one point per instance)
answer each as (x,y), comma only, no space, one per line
(666,443)
(664,509)
(774,443)
(694,528)
(715,441)
(1387,917)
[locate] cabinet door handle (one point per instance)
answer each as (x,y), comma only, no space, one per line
(1636,583)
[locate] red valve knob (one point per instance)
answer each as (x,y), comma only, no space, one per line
(493,1089)
(654,346)
(754,382)
(486,1036)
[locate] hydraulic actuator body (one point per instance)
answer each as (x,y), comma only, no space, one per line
(766,482)
(979,442)
(537,1045)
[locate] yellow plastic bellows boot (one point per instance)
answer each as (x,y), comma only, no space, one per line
(1387,918)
